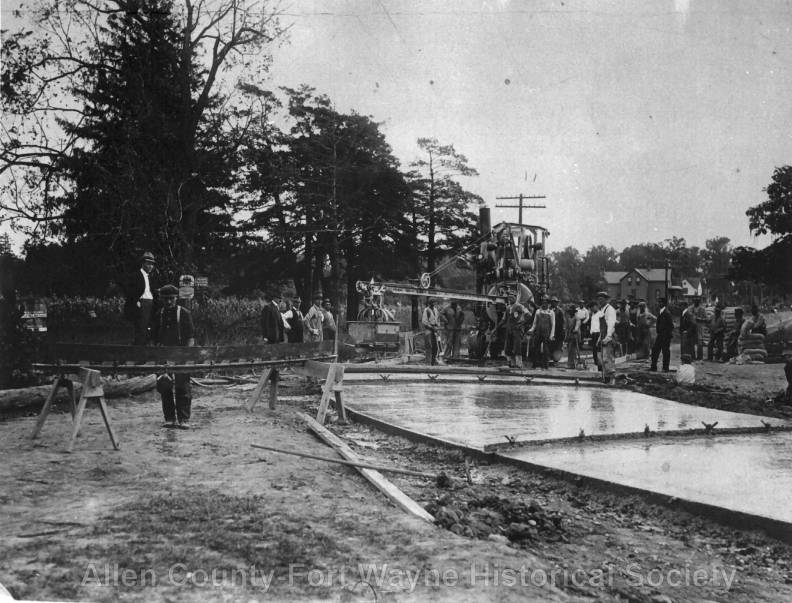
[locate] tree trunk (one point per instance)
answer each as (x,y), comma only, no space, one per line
(430,247)
(308,282)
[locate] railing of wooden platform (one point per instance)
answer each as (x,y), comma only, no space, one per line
(315,359)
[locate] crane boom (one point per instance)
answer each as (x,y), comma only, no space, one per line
(407,289)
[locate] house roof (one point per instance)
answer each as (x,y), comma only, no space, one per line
(653,275)
(613,277)
(694,281)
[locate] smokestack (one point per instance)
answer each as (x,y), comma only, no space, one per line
(484,220)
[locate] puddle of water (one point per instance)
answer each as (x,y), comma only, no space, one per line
(478,414)
(748,473)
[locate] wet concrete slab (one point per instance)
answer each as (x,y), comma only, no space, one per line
(750,474)
(479,415)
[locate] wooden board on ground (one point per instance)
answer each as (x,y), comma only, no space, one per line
(399,498)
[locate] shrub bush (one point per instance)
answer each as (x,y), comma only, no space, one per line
(223,321)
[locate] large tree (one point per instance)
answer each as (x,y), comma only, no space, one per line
(331,198)
(121,137)
(772,265)
(717,254)
(441,214)
(642,255)
(774,216)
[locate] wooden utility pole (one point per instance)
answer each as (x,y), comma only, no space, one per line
(520,206)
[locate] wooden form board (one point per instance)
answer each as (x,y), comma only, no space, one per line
(127,358)
(379,369)
(399,498)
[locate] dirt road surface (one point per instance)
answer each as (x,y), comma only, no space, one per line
(200,515)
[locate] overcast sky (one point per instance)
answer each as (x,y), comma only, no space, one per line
(638,120)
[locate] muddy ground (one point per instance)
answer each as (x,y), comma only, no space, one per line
(200,515)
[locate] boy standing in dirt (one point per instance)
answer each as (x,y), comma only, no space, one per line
(173,326)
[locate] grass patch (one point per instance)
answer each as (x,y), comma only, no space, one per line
(206,531)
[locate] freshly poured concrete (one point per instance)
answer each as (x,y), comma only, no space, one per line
(747,473)
(477,414)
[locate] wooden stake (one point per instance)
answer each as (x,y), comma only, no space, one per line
(256,396)
(273,389)
(327,390)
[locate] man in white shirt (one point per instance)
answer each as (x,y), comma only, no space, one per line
(429,320)
(607,337)
(314,318)
(594,330)
(139,305)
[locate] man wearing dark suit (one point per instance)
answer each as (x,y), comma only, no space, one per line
(665,329)
(139,288)
(295,319)
(271,320)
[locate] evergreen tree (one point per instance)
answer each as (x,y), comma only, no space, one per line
(441,215)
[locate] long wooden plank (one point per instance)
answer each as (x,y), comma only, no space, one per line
(399,498)
(122,354)
(152,367)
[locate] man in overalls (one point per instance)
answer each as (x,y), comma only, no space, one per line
(173,326)
(542,332)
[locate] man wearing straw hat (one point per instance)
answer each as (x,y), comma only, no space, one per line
(139,288)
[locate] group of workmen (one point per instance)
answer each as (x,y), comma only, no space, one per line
(158,319)
(538,332)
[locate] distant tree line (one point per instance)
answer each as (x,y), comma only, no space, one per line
(576,275)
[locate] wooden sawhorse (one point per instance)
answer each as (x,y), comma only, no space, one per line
(271,376)
(91,390)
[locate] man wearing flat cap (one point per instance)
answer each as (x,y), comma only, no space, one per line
(139,288)
(607,337)
(173,326)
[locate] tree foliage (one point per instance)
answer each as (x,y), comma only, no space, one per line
(772,265)
(774,216)
(119,139)
(332,197)
(441,214)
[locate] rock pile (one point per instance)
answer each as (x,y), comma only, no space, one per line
(519,520)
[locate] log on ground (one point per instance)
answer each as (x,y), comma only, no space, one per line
(33,397)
